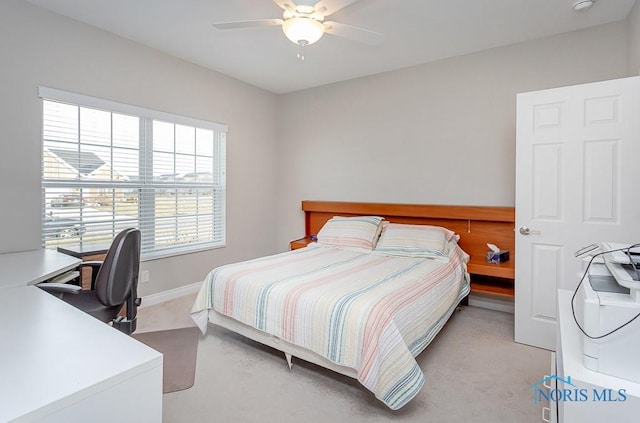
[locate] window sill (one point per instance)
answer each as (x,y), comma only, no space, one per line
(166,254)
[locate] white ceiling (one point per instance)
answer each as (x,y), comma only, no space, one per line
(416,31)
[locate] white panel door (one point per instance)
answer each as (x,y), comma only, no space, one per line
(577,180)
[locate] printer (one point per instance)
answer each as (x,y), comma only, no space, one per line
(608,298)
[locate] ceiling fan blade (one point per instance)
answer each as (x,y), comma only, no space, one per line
(354,33)
(287,5)
(327,7)
(258,23)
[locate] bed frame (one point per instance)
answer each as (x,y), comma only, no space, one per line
(290,350)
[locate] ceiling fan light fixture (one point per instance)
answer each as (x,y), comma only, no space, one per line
(302,30)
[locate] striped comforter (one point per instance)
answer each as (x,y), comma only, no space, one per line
(371,312)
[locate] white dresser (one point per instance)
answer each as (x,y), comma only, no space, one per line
(593,396)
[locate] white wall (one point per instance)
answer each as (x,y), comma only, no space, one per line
(439,133)
(41,48)
(633,40)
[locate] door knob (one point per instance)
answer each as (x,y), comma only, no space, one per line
(526,231)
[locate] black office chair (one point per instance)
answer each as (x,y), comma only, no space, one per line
(114,284)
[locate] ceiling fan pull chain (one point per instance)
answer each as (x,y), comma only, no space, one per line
(301,45)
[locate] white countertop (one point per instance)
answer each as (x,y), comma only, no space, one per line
(31,267)
(54,355)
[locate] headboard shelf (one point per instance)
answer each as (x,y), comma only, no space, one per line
(488,213)
(476,225)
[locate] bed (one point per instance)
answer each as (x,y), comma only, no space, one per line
(363,299)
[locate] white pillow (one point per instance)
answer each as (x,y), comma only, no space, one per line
(415,241)
(357,231)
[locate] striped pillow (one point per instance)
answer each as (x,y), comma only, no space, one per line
(415,241)
(358,231)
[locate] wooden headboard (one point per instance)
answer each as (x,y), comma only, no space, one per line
(476,225)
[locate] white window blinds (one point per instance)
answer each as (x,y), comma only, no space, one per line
(108,166)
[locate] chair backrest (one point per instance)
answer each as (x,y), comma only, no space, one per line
(119,271)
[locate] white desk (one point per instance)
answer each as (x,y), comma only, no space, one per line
(31,267)
(58,364)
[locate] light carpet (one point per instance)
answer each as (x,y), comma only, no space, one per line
(474,371)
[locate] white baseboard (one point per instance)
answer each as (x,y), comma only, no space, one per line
(171,294)
(491,302)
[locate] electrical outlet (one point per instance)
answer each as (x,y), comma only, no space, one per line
(144,276)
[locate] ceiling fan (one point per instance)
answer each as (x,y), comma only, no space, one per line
(303,23)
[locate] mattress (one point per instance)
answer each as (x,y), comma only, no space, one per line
(366,311)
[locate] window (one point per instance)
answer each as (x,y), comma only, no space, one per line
(108,166)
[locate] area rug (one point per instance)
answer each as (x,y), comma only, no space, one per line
(179,348)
